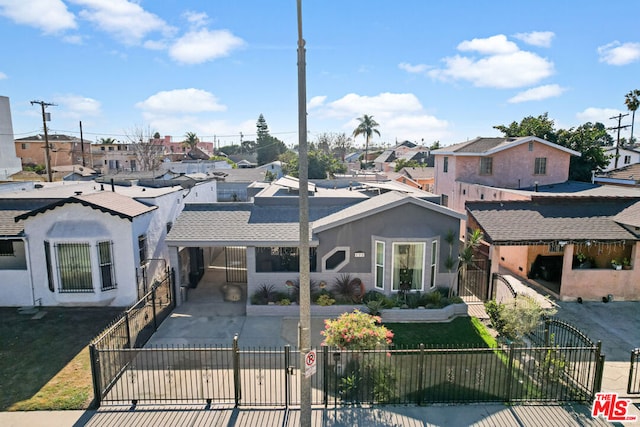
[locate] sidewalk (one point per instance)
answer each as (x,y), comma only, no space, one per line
(435,415)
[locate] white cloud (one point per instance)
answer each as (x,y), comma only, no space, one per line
(204,45)
(593,114)
(155,45)
(50,16)
(197,19)
(409,68)
(505,66)
(126,21)
(617,53)
(494,45)
(181,101)
(400,115)
(77,106)
(536,38)
(316,102)
(538,93)
(3,76)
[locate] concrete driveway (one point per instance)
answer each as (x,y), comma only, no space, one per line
(616,324)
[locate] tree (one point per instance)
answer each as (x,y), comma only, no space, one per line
(632,102)
(404,163)
(321,165)
(191,140)
(156,135)
(147,149)
(267,146)
(541,126)
(366,127)
(588,139)
(107,141)
(435,145)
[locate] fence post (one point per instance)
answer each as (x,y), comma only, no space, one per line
(95,375)
(420,374)
(236,372)
(547,335)
(325,375)
(126,318)
(153,305)
(171,273)
(597,384)
(287,377)
(510,372)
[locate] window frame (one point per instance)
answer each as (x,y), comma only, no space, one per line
(142,248)
(72,259)
(540,166)
(107,265)
(6,248)
(339,266)
(395,281)
(445,164)
(486,166)
(433,268)
(379,267)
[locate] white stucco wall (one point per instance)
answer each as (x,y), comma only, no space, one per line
(9,162)
(122,232)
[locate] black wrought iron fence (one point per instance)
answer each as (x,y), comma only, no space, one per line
(270,377)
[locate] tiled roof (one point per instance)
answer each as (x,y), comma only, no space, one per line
(105,201)
(419,173)
(488,146)
(11,208)
(551,220)
(629,216)
(631,172)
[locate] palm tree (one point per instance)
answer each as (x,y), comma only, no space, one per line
(366,127)
(191,140)
(632,103)
(107,141)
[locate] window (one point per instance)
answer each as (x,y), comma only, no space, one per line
(142,248)
(6,248)
(540,166)
(24,146)
(282,259)
(74,267)
(627,160)
(408,262)
(486,166)
(445,165)
(530,145)
(336,259)
(434,263)
(105,259)
(133,166)
(379,281)
(445,200)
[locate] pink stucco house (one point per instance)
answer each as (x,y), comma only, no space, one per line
(478,169)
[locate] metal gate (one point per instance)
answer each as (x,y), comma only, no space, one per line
(236,263)
(633,386)
(473,281)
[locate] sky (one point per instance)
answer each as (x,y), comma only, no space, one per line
(425,70)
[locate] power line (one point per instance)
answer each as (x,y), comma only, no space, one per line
(619,117)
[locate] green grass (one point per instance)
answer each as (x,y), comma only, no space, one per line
(460,331)
(44,363)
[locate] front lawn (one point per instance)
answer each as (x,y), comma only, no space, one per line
(44,363)
(459,332)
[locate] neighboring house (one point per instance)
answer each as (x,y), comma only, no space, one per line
(628,176)
(508,163)
(424,177)
(385,240)
(407,151)
(64,150)
(233,184)
(87,243)
(118,157)
(565,244)
(626,156)
(73,173)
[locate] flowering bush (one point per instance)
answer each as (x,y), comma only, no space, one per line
(356,331)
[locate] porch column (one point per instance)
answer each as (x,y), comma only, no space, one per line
(494,259)
(174,263)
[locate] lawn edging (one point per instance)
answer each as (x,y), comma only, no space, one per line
(388,315)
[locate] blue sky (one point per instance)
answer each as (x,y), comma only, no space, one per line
(425,70)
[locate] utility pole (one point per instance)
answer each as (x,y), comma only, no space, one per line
(304,333)
(81,145)
(47,159)
(619,117)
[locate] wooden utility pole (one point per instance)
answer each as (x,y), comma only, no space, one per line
(619,117)
(81,145)
(304,333)
(47,158)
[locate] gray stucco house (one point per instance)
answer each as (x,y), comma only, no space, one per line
(383,238)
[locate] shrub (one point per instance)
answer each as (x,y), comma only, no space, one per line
(294,289)
(343,288)
(325,300)
(374,307)
(357,331)
(284,301)
(413,300)
(264,295)
(516,319)
(432,299)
